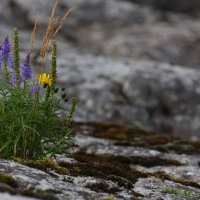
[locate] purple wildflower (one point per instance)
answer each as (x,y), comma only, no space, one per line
(26,69)
(5,53)
(6,48)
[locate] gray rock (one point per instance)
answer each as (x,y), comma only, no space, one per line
(100,167)
(152,188)
(189,6)
(43,185)
(153,95)
(6,196)
(117,28)
(148,94)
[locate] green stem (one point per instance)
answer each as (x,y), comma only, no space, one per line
(16,56)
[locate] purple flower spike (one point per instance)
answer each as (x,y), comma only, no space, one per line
(26,69)
(5,53)
(6,48)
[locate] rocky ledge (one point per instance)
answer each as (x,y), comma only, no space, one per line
(108,162)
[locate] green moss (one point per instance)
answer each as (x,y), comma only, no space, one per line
(177,192)
(44,164)
(7,179)
(91,165)
(110,197)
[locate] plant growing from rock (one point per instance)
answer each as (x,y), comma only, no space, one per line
(177,192)
(30,126)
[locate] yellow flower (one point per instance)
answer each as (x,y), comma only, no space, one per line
(44,79)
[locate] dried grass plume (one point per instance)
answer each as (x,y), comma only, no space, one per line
(33,33)
(54,26)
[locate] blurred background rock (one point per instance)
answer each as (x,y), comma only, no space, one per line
(130,62)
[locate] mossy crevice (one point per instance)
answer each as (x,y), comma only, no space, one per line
(8,184)
(150,161)
(137,194)
(7,179)
(103,187)
(45,164)
(164,176)
(126,136)
(103,167)
(111,131)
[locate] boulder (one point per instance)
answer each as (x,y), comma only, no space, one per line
(152,95)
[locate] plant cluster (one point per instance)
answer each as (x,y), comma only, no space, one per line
(177,192)
(30,126)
